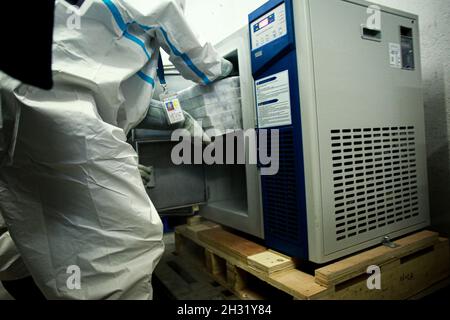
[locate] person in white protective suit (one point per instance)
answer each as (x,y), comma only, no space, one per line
(14,275)
(11,265)
(71,193)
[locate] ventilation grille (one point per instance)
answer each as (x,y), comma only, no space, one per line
(375,179)
(280,193)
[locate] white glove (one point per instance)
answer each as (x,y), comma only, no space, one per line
(195,129)
(146,173)
(156,120)
(227,68)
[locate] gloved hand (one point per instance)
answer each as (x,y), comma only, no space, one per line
(227,68)
(146,173)
(156,120)
(195,129)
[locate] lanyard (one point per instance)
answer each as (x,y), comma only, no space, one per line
(170,101)
(160,71)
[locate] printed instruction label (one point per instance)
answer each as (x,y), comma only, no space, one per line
(273,100)
(395,55)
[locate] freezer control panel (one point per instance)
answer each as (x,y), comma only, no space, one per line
(269,27)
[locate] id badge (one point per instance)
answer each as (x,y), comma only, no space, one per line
(173,108)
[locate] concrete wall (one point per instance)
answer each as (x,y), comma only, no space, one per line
(215,19)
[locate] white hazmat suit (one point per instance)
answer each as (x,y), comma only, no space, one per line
(71,195)
(11,264)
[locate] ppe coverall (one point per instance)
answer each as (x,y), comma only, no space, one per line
(11,264)
(71,194)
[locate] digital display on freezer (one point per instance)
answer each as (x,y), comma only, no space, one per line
(264,23)
(269,27)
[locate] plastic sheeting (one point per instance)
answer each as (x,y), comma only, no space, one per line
(217,107)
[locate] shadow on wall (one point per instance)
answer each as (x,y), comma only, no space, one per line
(438,150)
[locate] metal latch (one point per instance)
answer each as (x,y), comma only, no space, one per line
(387,242)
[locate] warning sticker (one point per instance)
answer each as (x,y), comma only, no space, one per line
(395,55)
(273,99)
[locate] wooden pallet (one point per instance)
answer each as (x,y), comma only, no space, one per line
(253,272)
(175,279)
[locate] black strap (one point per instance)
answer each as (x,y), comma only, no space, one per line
(161,76)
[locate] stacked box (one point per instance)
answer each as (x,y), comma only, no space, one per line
(217,107)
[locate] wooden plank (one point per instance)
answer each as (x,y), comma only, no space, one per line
(237,279)
(300,285)
(192,231)
(402,279)
(214,265)
(231,244)
(178,243)
(420,261)
(183,278)
(432,290)
(357,265)
(271,262)
(237,283)
(242,294)
(195,220)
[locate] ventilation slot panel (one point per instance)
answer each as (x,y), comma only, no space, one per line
(374,177)
(280,193)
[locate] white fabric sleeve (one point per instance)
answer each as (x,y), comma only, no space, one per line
(165,19)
